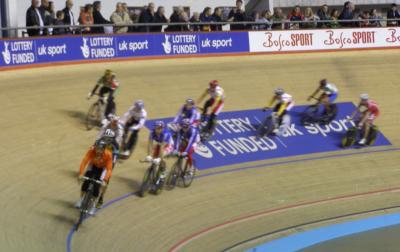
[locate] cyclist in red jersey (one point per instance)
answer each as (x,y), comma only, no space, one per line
(369,111)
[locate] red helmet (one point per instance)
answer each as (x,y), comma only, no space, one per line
(214,83)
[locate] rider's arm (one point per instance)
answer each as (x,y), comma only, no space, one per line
(357,110)
(88,157)
(201,98)
(177,141)
(120,134)
(191,141)
(282,108)
(108,166)
(271,102)
(99,83)
(162,147)
(176,120)
(314,93)
(140,124)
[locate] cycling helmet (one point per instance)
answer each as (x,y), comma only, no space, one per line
(100,145)
(279,91)
(159,124)
(108,72)
(190,102)
(185,123)
(364,97)
(323,82)
(214,83)
(139,104)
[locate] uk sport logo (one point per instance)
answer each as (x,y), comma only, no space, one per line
(167,45)
(6,54)
(204,151)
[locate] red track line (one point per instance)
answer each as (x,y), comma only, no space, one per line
(39,65)
(196,235)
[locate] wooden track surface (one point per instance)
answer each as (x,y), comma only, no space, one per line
(44,140)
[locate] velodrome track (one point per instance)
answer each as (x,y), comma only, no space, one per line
(44,141)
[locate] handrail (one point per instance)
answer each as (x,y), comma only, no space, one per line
(201,23)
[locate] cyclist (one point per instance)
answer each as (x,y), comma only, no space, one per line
(369,111)
(108,85)
(159,146)
(216,102)
(187,111)
(186,141)
(328,95)
(284,103)
(111,133)
(99,162)
(133,121)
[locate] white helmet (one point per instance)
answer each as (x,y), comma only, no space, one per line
(364,97)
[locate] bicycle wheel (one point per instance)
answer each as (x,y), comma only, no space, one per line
(84,208)
(173,176)
(309,115)
(159,183)
(144,188)
(350,138)
(93,116)
(372,135)
(188,175)
(266,127)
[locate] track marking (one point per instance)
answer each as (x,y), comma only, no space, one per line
(72,230)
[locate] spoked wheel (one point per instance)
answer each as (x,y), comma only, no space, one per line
(309,115)
(372,135)
(350,138)
(93,116)
(188,175)
(84,209)
(173,176)
(148,177)
(266,127)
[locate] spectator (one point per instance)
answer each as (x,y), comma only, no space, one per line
(334,19)
(265,21)
(364,19)
(147,17)
(48,17)
(347,14)
(120,18)
(295,16)
(59,21)
(393,13)
(69,18)
(98,18)
(206,17)
(184,18)
(309,16)
(278,19)
(374,18)
(237,15)
(195,19)
(52,11)
(134,17)
(35,17)
(87,18)
(323,15)
(159,17)
(217,18)
(256,18)
(175,18)
(125,7)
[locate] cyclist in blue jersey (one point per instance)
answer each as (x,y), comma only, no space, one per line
(159,146)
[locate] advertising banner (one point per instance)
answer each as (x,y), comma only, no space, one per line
(235,139)
(329,39)
(81,48)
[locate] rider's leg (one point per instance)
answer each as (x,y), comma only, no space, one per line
(110,108)
(132,140)
(207,104)
(327,106)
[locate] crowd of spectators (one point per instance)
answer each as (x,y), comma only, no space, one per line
(42,13)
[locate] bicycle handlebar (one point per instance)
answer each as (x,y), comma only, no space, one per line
(93,180)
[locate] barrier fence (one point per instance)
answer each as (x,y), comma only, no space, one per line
(53,49)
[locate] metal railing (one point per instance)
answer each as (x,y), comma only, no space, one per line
(188,26)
